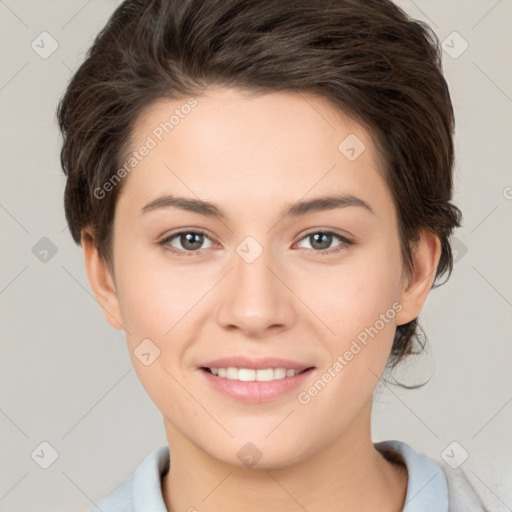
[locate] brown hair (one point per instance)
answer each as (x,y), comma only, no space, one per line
(367,58)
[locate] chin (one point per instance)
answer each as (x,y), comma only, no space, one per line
(264,454)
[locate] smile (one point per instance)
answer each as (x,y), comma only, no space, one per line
(253,385)
(251,374)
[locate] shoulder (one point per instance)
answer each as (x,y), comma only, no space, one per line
(120,499)
(462,494)
(432,483)
(482,484)
(141,491)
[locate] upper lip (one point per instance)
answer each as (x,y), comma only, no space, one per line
(256,364)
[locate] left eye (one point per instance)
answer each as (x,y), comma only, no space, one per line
(322,241)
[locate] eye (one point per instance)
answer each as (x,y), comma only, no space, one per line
(321,241)
(190,241)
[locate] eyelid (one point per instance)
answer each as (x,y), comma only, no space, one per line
(181,231)
(327,231)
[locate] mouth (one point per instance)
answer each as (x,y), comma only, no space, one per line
(255,381)
(253,374)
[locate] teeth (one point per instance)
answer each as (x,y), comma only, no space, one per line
(249,374)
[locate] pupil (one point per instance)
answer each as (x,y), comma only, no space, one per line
(325,244)
(188,242)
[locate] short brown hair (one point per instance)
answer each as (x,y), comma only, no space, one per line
(366,57)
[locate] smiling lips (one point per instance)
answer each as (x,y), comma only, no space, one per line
(251,374)
(254,380)
(248,369)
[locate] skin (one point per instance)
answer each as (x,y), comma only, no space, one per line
(252,156)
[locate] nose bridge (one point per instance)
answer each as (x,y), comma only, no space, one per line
(254,298)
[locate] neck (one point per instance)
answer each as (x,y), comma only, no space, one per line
(349,474)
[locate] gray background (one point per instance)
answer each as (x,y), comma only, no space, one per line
(65,375)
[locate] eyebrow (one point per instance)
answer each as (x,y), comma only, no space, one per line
(292,210)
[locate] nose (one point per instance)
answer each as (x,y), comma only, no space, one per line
(255,297)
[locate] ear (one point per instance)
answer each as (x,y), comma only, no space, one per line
(426,255)
(101,280)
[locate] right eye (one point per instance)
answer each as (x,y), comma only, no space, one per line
(190,241)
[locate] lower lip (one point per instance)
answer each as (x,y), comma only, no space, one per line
(255,391)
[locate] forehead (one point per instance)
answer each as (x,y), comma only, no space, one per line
(226,145)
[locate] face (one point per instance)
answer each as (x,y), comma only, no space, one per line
(253,280)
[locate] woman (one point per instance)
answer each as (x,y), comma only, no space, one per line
(262,191)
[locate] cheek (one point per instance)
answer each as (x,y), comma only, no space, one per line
(154,296)
(156,307)
(355,294)
(358,301)
(161,303)
(360,306)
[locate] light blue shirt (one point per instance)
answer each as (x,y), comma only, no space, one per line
(427,487)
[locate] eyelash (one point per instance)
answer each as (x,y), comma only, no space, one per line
(346,242)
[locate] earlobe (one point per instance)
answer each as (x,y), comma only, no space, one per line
(101,280)
(426,255)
